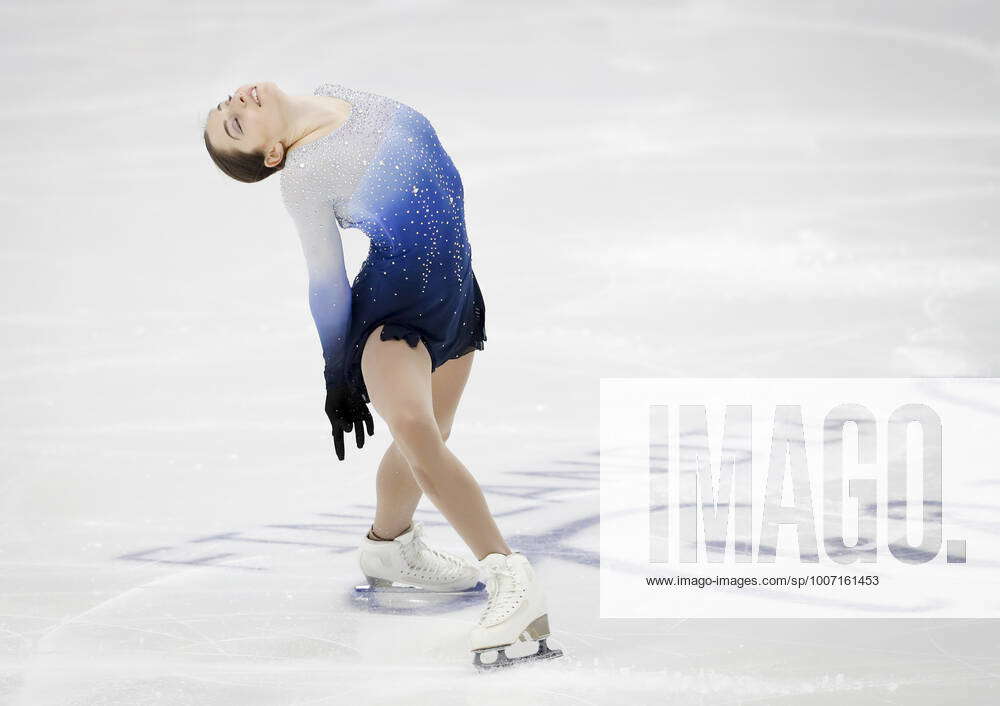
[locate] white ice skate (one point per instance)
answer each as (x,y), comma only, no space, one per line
(407,564)
(515,612)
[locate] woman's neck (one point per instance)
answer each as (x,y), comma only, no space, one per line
(315,116)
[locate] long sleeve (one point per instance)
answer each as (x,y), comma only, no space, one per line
(329,286)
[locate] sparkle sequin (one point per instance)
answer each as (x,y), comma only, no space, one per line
(385,172)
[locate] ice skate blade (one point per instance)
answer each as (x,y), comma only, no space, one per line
(502,660)
(380,586)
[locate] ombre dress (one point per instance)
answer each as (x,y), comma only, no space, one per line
(385,172)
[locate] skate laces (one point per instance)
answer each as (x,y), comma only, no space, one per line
(430,562)
(505,595)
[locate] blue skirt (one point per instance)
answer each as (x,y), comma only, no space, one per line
(436,300)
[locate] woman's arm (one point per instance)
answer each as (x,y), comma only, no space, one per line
(329,287)
(330,303)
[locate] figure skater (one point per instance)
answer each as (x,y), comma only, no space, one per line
(402,337)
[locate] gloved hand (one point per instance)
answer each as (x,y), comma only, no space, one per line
(347,411)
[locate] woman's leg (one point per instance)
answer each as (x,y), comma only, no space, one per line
(397,491)
(396,494)
(399,385)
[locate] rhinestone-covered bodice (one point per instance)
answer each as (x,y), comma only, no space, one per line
(384,172)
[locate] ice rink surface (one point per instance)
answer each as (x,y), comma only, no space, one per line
(652,189)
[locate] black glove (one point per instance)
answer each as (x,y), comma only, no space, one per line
(346,411)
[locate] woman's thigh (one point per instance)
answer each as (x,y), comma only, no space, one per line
(402,388)
(447,384)
(398,379)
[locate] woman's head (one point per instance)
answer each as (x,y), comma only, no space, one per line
(245,133)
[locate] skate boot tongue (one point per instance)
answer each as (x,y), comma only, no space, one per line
(493,562)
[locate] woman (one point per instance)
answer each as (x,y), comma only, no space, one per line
(403,336)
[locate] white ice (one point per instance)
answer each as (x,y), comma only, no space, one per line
(653,189)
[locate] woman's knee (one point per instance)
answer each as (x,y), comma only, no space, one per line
(410,424)
(414,430)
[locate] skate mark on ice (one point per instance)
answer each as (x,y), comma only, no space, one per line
(581,477)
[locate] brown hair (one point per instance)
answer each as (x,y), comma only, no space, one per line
(241,166)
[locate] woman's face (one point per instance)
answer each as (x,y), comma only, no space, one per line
(251,120)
